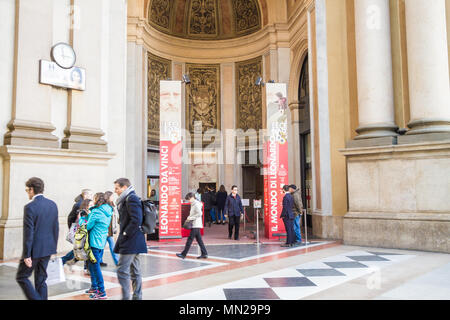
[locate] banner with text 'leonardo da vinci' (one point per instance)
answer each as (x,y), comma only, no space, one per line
(275,158)
(170,161)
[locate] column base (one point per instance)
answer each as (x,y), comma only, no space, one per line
(84,139)
(425,137)
(377,130)
(372,142)
(31,134)
(425,126)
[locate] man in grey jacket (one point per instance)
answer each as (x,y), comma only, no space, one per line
(196,216)
(297,208)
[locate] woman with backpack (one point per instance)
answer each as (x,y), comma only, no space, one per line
(112,230)
(97,225)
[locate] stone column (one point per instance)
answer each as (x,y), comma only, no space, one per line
(31,111)
(428,67)
(374,70)
(83,130)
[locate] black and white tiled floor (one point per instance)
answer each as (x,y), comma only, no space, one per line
(303,280)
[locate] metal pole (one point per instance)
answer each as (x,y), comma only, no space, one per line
(244,219)
(257,226)
(306,228)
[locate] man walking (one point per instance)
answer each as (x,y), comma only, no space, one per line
(288,217)
(40,239)
(131,240)
(233,207)
(297,208)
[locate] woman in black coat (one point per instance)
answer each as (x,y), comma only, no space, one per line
(221,197)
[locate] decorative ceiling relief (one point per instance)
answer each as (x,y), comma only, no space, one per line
(249,95)
(205,19)
(203,98)
(202,17)
(158,69)
(160,13)
(247,16)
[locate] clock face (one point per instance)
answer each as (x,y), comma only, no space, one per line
(63,55)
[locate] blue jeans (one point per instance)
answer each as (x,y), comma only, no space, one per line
(212,212)
(96,273)
(297,231)
(68,257)
(110,241)
(220,214)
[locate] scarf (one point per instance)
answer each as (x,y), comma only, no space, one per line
(124,195)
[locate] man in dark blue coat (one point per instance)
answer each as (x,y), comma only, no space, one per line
(40,240)
(288,217)
(233,207)
(131,241)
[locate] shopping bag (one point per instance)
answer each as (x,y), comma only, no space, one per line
(55,272)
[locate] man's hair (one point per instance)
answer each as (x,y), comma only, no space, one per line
(123,182)
(293,186)
(233,187)
(36,184)
(189,196)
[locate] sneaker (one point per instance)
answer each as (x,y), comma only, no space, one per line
(102,264)
(98,296)
(91,291)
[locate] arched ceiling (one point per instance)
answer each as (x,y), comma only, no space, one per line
(205,19)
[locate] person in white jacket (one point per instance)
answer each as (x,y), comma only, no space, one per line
(196,216)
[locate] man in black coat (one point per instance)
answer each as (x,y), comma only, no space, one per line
(40,240)
(207,203)
(131,241)
(234,209)
(288,217)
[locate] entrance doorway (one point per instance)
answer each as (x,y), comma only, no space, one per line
(252,188)
(305,140)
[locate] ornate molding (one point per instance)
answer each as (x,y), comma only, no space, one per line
(249,95)
(203,98)
(158,69)
(205,19)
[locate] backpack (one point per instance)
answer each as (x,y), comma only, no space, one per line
(149,216)
(81,248)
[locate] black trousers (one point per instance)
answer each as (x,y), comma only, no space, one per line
(289,226)
(39,266)
(208,217)
(195,234)
(234,221)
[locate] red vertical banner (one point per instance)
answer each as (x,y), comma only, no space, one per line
(275,158)
(170,161)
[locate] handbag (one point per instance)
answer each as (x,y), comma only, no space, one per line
(188,224)
(55,272)
(71,235)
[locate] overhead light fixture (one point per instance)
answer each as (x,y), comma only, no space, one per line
(186,79)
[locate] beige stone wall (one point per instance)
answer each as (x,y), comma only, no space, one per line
(398,196)
(28,31)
